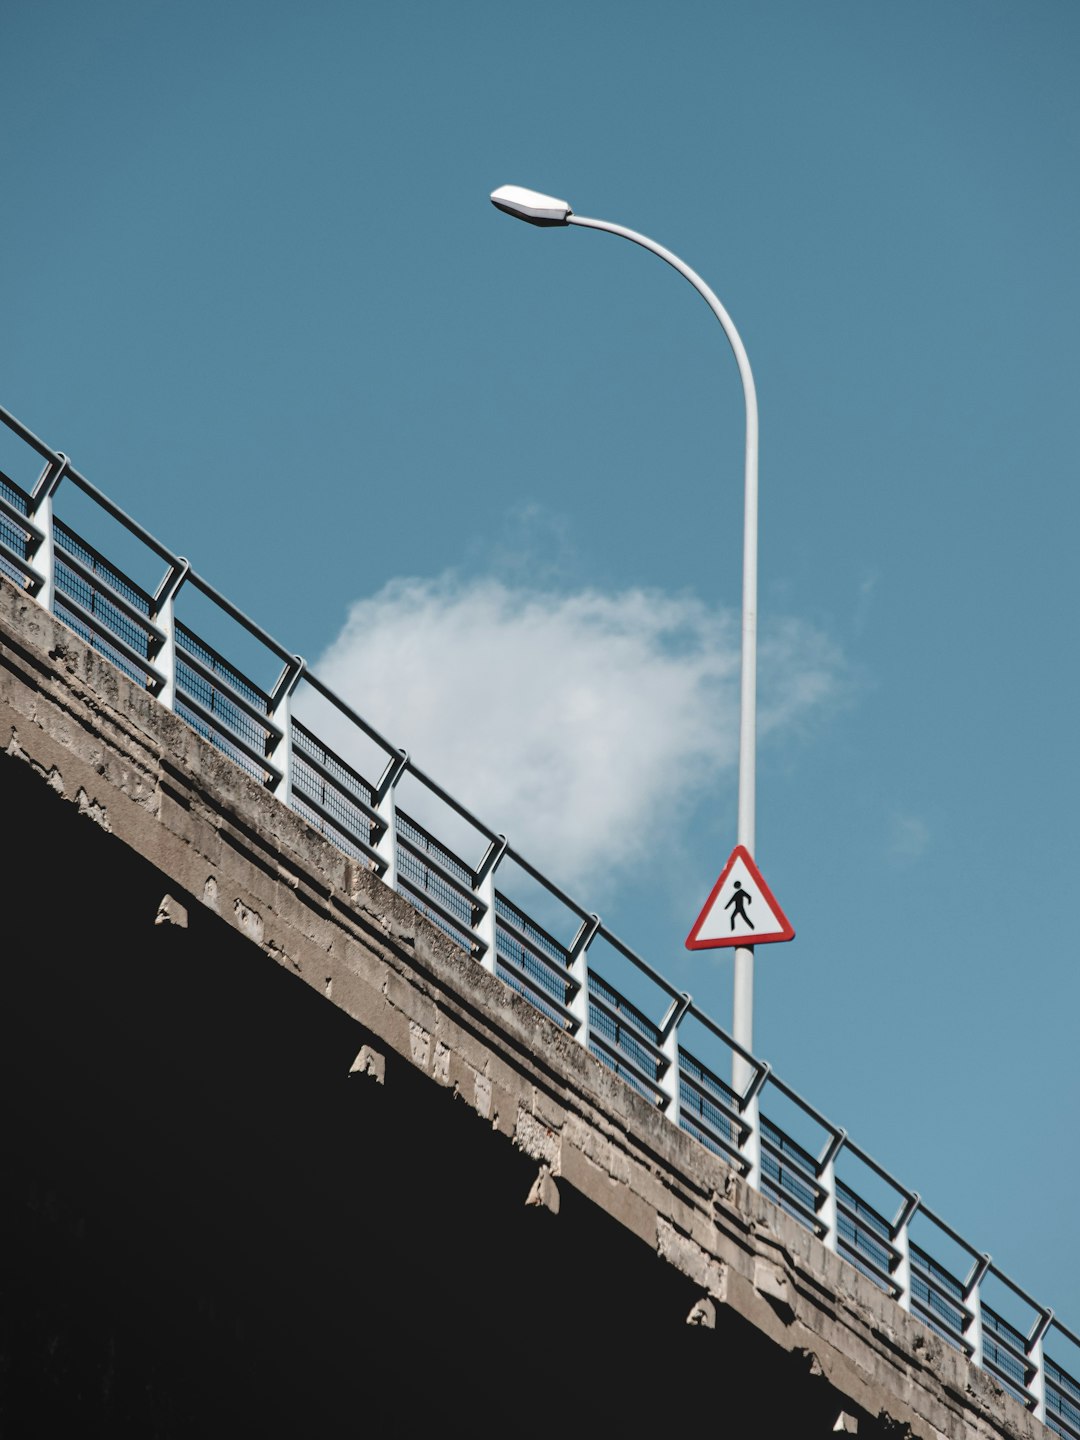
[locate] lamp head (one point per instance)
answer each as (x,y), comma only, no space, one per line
(530,205)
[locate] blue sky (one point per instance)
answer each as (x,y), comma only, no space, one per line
(489,476)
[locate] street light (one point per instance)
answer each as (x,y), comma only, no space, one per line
(545,210)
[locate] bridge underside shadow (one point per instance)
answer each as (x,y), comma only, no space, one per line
(212,1228)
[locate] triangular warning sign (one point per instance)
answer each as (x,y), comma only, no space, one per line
(741,909)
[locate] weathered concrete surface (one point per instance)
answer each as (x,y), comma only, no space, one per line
(512,1225)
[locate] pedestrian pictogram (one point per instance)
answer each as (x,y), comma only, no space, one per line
(741,909)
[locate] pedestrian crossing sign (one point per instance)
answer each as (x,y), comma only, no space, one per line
(741,909)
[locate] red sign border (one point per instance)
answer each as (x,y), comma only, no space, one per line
(742,941)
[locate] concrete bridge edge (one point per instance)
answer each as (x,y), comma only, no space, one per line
(220,840)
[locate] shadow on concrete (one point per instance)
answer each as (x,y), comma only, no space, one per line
(211,1229)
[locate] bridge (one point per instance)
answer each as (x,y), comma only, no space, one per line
(326,1107)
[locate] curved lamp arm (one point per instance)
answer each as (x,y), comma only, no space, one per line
(748,687)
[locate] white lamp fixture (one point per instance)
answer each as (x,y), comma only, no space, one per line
(530,205)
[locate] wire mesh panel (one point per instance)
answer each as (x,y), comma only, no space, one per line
(1062,1393)
(864,1237)
(709,1109)
(789,1175)
(1010,1320)
(332,797)
(532,962)
(14,538)
(625,1039)
(218,701)
(102,605)
(937,1298)
(437,881)
(1005,1355)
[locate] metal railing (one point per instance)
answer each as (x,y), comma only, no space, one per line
(245,694)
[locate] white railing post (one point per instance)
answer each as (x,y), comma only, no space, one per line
(486,927)
(828,1213)
(750,1144)
(385,807)
(280,712)
(42,557)
(164,618)
(670,1086)
(973,1301)
(578,967)
(1038,1363)
(902,1240)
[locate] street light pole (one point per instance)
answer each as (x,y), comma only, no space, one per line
(545,210)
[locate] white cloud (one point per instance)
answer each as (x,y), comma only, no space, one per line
(909,839)
(582,725)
